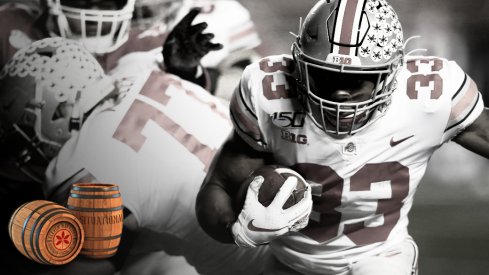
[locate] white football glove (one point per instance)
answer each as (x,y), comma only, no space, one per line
(257,224)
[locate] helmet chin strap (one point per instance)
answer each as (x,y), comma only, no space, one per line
(76,118)
(63,27)
(30,156)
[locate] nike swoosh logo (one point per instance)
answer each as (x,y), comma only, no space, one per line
(259,229)
(396,142)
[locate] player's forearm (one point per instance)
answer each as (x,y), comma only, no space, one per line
(215,205)
(215,212)
(476,137)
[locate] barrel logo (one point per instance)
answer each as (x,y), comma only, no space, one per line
(61,239)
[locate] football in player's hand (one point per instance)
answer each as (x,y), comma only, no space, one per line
(274,177)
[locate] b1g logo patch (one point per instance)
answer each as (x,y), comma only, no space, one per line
(294,138)
(341,60)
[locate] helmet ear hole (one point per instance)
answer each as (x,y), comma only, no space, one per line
(46,54)
(60,112)
(42,90)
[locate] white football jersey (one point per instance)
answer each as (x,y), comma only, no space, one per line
(156,144)
(363,185)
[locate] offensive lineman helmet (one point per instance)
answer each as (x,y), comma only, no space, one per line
(160,12)
(355,37)
(101,25)
(45,90)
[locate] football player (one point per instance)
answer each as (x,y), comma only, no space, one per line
(156,142)
(359,118)
(104,28)
(46,91)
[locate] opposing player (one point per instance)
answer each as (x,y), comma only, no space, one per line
(359,119)
(156,143)
(46,91)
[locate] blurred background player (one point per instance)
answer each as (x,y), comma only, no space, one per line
(104,27)
(229,21)
(45,98)
(344,111)
(63,18)
(156,143)
(107,35)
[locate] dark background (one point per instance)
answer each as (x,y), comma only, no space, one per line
(449,219)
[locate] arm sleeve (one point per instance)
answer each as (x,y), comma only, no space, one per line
(466,103)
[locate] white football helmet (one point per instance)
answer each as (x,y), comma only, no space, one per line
(348,37)
(163,13)
(46,89)
(101,27)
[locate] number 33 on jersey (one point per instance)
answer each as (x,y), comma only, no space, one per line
(363,185)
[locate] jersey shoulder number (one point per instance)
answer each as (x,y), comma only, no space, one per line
(266,88)
(440,83)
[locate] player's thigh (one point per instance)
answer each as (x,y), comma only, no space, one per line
(400,260)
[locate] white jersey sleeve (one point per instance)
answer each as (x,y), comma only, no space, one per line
(265,87)
(466,102)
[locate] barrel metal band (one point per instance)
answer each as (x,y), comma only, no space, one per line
(99,249)
(12,219)
(91,189)
(86,209)
(25,225)
(103,238)
(80,196)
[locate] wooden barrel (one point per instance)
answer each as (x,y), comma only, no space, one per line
(99,209)
(46,232)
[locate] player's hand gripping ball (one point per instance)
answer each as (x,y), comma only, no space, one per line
(272,201)
(274,177)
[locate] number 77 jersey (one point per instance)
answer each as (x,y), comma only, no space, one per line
(363,185)
(156,143)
